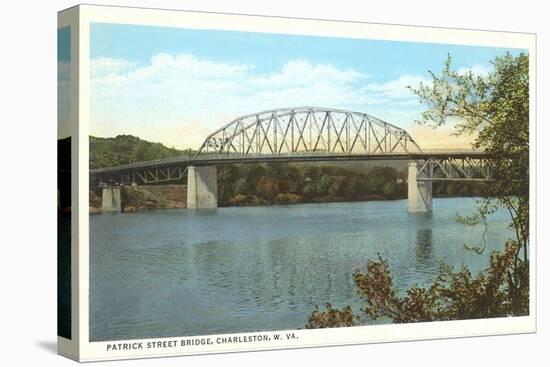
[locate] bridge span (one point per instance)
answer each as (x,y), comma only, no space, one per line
(301,134)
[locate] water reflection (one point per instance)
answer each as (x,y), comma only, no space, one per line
(424,247)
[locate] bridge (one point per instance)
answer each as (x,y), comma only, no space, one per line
(301,134)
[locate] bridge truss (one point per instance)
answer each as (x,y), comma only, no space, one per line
(303,134)
(308,130)
(454,167)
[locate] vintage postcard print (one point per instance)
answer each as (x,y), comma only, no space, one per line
(232,182)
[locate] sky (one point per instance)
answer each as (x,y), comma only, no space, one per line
(175,86)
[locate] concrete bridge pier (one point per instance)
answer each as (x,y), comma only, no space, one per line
(419,192)
(111,201)
(202,187)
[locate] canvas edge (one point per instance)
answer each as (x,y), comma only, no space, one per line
(82,350)
(70,347)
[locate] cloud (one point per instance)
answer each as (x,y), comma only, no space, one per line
(189,95)
(301,73)
(190,65)
(105,66)
(398,88)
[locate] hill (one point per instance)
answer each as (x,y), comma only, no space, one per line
(124,149)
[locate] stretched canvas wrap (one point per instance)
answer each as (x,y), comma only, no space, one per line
(237,183)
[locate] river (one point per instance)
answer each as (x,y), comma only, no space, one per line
(238,269)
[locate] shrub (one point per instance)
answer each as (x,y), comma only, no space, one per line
(288,198)
(500,290)
(241,199)
(332,317)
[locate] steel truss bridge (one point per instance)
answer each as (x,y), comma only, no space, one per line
(303,134)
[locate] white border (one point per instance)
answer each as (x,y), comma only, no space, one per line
(307,338)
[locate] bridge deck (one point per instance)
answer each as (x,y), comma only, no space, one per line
(294,157)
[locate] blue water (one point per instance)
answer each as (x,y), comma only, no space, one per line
(239,269)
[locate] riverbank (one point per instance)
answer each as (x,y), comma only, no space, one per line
(141,198)
(290,198)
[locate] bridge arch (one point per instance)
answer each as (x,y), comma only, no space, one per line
(307,130)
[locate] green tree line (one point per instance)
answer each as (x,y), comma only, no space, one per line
(285,183)
(260,184)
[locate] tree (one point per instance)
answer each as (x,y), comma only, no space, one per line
(267,188)
(252,172)
(295,179)
(310,189)
(243,186)
(389,188)
(379,176)
(324,184)
(351,187)
(335,188)
(226,182)
(495,108)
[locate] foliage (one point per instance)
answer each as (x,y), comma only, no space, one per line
(262,184)
(274,182)
(267,187)
(243,186)
(242,200)
(132,197)
(288,198)
(332,317)
(459,188)
(454,295)
(494,107)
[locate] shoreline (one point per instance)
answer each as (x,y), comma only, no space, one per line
(95,209)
